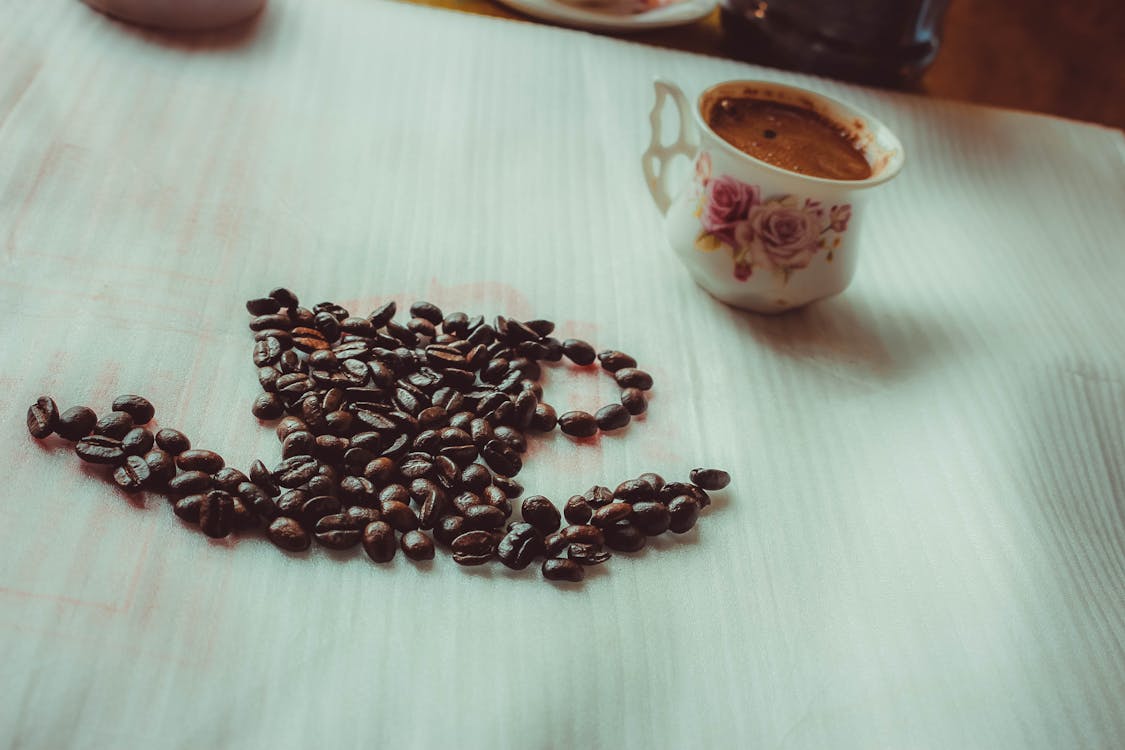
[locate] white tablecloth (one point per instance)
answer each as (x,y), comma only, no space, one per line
(924,542)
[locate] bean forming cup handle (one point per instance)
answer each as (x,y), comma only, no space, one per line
(655,160)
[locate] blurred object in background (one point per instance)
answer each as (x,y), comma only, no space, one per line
(179,14)
(888,42)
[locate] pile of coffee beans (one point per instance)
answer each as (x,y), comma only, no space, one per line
(394,436)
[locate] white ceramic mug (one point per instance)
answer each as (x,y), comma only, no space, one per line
(754,235)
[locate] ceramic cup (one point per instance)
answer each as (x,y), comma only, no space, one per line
(754,235)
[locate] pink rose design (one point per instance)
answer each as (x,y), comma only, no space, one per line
(728,202)
(788,234)
(838,218)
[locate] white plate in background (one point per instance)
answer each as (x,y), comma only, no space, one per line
(675,14)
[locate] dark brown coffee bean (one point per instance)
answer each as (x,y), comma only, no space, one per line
(317,507)
(267,352)
(270,323)
(607,515)
(290,502)
(520,546)
(295,471)
(426,311)
(100,449)
(417,546)
(362,516)
(137,441)
(683,512)
(651,518)
(216,514)
(267,406)
(631,377)
(132,475)
(379,471)
(612,360)
(399,515)
(200,459)
(541,513)
(483,517)
(227,479)
(557,569)
(161,467)
(42,417)
(583,533)
(379,541)
(75,423)
(260,476)
(243,517)
(288,534)
(555,544)
(525,404)
(579,424)
(624,537)
(331,308)
(284,297)
(501,458)
(449,528)
(634,491)
(673,490)
(634,401)
(114,424)
(394,492)
(654,480)
(455,324)
(611,417)
(475,477)
(710,479)
(138,407)
(383,314)
(320,485)
(190,482)
(464,501)
(187,508)
(258,500)
(337,531)
(587,554)
(173,441)
(357,491)
(510,487)
(544,419)
(578,352)
(577,511)
(473,548)
(300,443)
(357,326)
(415,465)
(262,306)
(511,437)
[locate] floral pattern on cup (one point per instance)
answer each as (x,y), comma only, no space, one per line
(780,234)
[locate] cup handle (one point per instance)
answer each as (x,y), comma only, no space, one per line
(655,160)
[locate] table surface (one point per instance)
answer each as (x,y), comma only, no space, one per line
(1065,59)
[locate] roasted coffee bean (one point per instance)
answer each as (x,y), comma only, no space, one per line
(497,498)
(578,351)
(651,518)
(137,441)
(583,533)
(465,500)
(555,544)
(417,546)
(267,351)
(432,503)
(475,477)
(552,349)
(289,364)
(544,419)
(331,308)
(398,447)
(114,424)
(187,508)
(520,546)
(415,465)
(357,326)
(172,441)
(634,491)
(624,537)
(227,479)
(190,482)
(483,517)
(462,454)
(598,495)
(432,418)
(100,449)
(257,500)
(427,311)
(379,471)
(399,515)
(502,414)
(401,333)
(267,378)
(299,443)
(421,327)
(288,425)
(270,322)
(449,528)
(361,516)
(612,360)
(587,554)
(456,324)
(244,518)
(284,342)
(579,424)
(260,476)
(607,515)
(473,548)
(267,406)
(501,458)
(510,487)
(316,508)
(683,512)
(634,401)
(710,479)
(132,475)
(357,459)
(481,432)
(379,541)
(216,514)
(199,459)
(295,471)
(161,467)
(394,492)
(512,437)
(577,511)
(525,404)
(42,417)
(310,343)
(138,407)
(357,491)
(262,306)
(675,489)
(290,502)
(75,423)
(654,480)
(631,377)
(611,417)
(331,448)
(288,534)
(541,513)
(495,370)
(320,485)
(557,569)
(337,531)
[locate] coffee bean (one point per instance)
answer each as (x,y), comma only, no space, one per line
(417,546)
(501,458)
(290,502)
(379,541)
(473,548)
(624,537)
(612,360)
(598,495)
(216,514)
(260,476)
(557,569)
(266,353)
(138,407)
(587,554)
(42,417)
(357,491)
(654,480)
(555,544)
(483,517)
(607,515)
(227,479)
(634,401)
(399,515)
(464,501)
(426,311)
(295,471)
(173,441)
(379,471)
(199,459)
(525,404)
(394,492)
(520,546)
(611,417)
(634,491)
(544,419)
(578,352)
(301,443)
(337,531)
(683,512)
(258,500)
(317,507)
(578,424)
(288,534)
(510,487)
(449,528)
(99,449)
(541,513)
(137,441)
(161,467)
(320,485)
(262,306)
(631,377)
(577,511)
(675,489)
(383,314)
(190,482)
(331,308)
(187,508)
(651,518)
(415,465)
(511,437)
(710,479)
(362,516)
(583,533)
(75,423)
(114,424)
(475,477)
(267,406)
(132,475)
